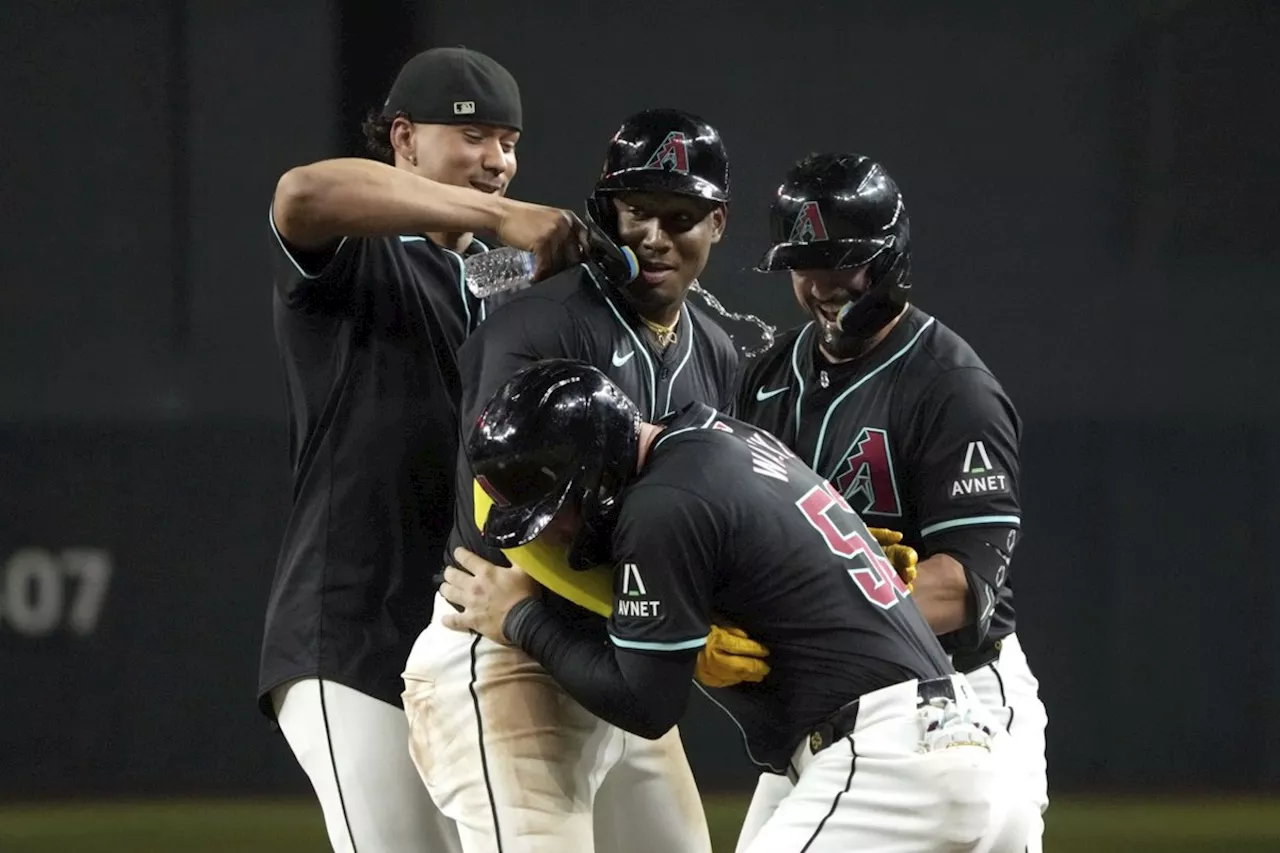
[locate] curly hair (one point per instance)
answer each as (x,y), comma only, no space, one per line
(377,134)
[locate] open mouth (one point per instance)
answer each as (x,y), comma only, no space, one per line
(655,272)
(828,312)
(486,188)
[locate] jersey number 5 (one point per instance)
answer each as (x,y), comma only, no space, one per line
(873,574)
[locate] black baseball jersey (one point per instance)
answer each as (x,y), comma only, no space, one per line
(368,334)
(725,519)
(577,314)
(917,435)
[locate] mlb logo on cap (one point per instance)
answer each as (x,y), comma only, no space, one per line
(453,85)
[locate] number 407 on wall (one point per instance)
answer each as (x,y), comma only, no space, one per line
(41,591)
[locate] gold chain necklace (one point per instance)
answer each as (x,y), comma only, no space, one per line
(666,335)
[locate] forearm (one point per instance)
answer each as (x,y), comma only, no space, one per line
(354,197)
(642,694)
(941,591)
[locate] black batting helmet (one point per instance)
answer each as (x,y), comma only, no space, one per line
(661,150)
(842,211)
(557,431)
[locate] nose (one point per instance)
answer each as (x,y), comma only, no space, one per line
(494,159)
(656,240)
(824,288)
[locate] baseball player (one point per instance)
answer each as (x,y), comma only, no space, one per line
(370,309)
(906,422)
(889,748)
(501,748)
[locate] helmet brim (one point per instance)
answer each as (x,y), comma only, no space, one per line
(662,180)
(823,255)
(513,526)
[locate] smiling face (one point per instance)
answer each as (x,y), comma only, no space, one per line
(822,293)
(672,236)
(479,156)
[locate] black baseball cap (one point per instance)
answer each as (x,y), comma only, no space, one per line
(455,85)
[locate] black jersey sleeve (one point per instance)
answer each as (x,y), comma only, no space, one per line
(319,279)
(666,548)
(963,447)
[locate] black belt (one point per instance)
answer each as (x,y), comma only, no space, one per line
(840,724)
(967,662)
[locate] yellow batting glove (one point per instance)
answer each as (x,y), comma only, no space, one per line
(730,657)
(903,558)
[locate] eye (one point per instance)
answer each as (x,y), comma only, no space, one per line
(508,148)
(473,136)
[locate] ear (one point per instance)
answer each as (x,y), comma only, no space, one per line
(403,140)
(719,217)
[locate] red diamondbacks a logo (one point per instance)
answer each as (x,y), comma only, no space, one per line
(672,154)
(809,226)
(866,478)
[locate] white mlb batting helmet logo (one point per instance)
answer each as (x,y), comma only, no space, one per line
(464,108)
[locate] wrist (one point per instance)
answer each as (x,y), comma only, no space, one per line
(521,619)
(494,210)
(497,210)
(942,577)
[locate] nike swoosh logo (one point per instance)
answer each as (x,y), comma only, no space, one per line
(762,395)
(619,360)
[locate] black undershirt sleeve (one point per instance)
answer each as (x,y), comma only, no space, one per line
(638,692)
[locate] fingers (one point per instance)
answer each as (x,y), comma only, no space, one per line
(456,621)
(544,260)
(901,557)
(471,564)
(734,641)
(458,584)
(580,238)
(713,672)
(564,247)
(743,647)
(455,584)
(549,254)
(476,566)
(884,536)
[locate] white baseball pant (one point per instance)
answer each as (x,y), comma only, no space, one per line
(893,786)
(523,768)
(355,751)
(1010,692)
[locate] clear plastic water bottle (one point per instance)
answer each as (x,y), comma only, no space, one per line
(507,268)
(498,271)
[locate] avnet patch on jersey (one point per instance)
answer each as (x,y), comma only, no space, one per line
(978,476)
(634,600)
